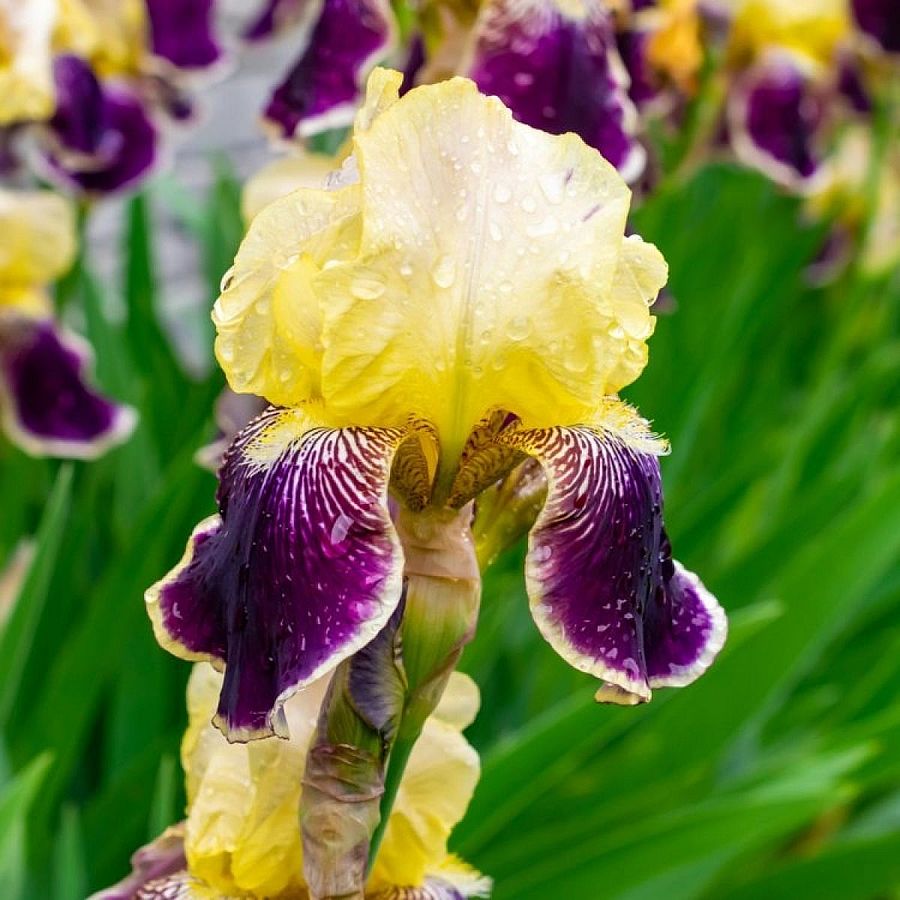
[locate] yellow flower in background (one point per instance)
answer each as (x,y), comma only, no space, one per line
(242,834)
(38,246)
(812,29)
(110,34)
(495,289)
(674,46)
(26,76)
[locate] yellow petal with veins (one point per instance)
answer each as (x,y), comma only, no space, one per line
(485,275)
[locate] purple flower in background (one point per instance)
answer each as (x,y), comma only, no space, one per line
(775,114)
(879,20)
(182,32)
(558,69)
(338,49)
(48,407)
(101,138)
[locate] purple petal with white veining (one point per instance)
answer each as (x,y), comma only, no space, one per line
(302,568)
(275,15)
(48,407)
(182,32)
(559,71)
(603,588)
(323,87)
(880,20)
(774,118)
(433,889)
(101,138)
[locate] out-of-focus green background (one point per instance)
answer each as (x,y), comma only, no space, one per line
(777,775)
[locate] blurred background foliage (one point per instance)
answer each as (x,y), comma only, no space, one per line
(777,775)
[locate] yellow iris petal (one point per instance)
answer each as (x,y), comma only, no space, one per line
(485,272)
(26,77)
(111,34)
(37,247)
(462,262)
(242,835)
(268,316)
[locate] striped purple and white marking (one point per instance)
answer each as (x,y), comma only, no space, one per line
(301,568)
(603,587)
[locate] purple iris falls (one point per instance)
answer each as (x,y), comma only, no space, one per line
(774,117)
(101,138)
(323,87)
(302,568)
(181,31)
(559,73)
(48,407)
(605,591)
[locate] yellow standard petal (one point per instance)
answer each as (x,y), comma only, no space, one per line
(26,75)
(486,274)
(268,316)
(37,245)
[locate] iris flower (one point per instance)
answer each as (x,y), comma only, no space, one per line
(242,833)
(799,72)
(47,407)
(460,297)
(91,74)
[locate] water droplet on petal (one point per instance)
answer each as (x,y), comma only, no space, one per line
(366,287)
(502,193)
(518,328)
(444,272)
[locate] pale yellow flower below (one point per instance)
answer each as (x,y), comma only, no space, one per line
(242,831)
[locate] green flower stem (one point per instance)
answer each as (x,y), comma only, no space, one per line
(443,593)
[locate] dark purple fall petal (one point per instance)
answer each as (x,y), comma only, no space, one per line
(100,139)
(302,568)
(322,89)
(774,117)
(880,20)
(181,31)
(644,85)
(603,587)
(48,407)
(559,72)
(850,85)
(79,123)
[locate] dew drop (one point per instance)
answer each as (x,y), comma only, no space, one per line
(444,272)
(528,204)
(518,328)
(340,528)
(495,231)
(552,186)
(367,287)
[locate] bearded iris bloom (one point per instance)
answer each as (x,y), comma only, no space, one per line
(460,297)
(241,837)
(47,407)
(90,75)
